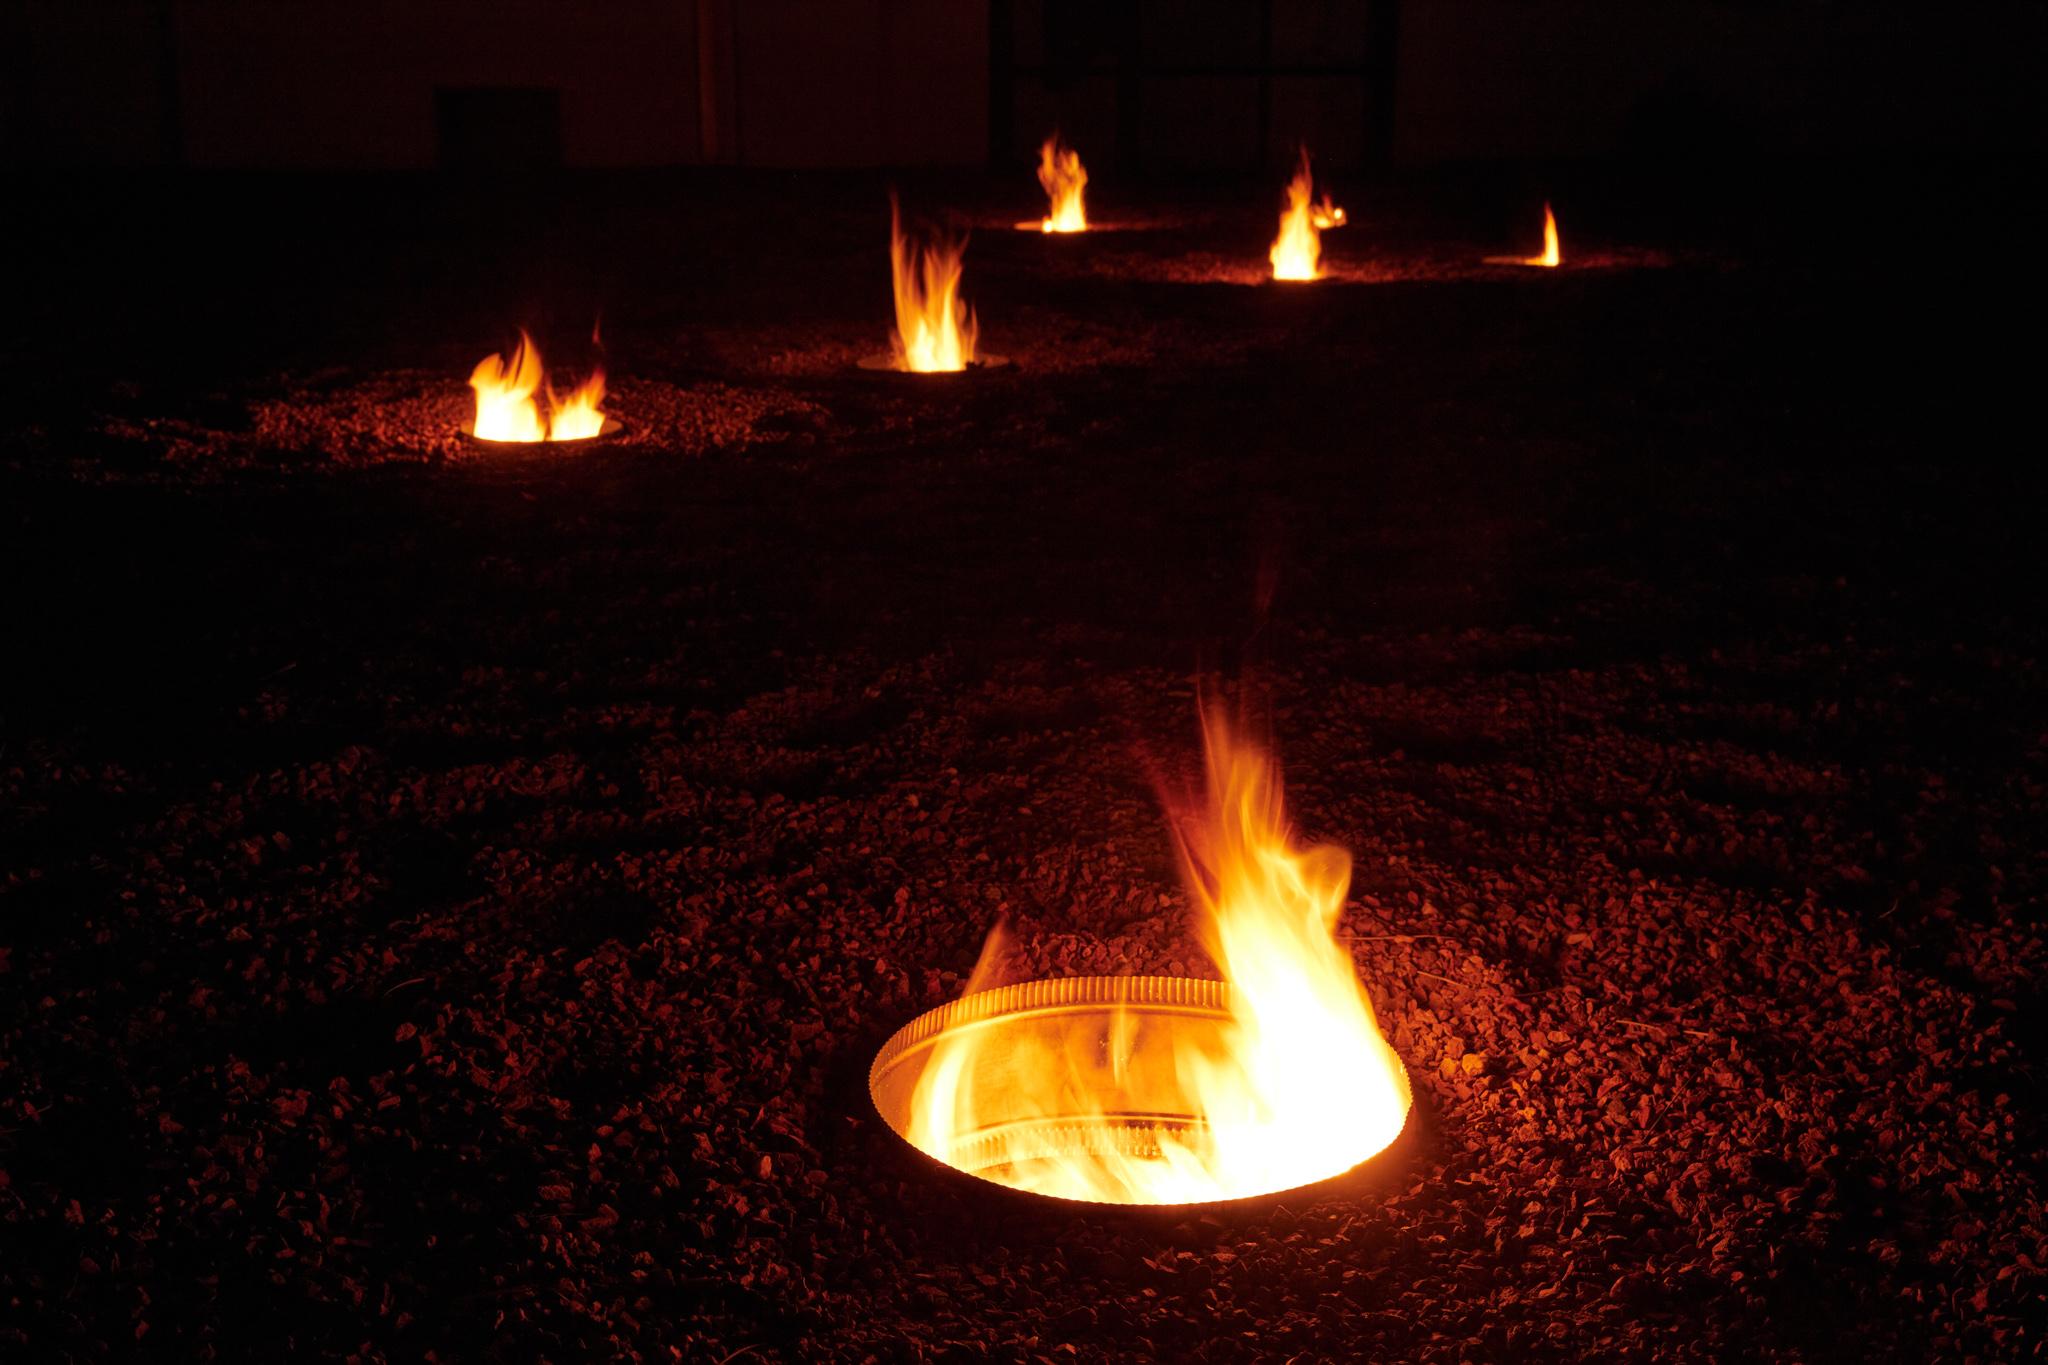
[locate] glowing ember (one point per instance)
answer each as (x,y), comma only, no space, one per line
(1298,251)
(1158,1090)
(1060,171)
(1551,257)
(934,326)
(506,409)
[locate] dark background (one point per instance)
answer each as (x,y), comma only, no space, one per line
(1151,85)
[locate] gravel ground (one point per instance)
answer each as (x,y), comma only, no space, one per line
(449,901)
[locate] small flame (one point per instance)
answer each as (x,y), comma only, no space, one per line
(934,327)
(1303,1086)
(1298,251)
(1060,171)
(1551,255)
(505,406)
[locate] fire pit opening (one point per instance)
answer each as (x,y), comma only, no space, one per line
(1130,1121)
(1552,256)
(1065,180)
(509,410)
(1297,253)
(935,329)
(1171,1090)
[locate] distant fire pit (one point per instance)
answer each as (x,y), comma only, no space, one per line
(1551,257)
(509,411)
(1170,1090)
(1061,173)
(1297,253)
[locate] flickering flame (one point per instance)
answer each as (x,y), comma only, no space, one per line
(506,409)
(1295,1086)
(1551,255)
(1298,250)
(934,326)
(1060,171)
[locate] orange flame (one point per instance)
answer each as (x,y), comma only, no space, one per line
(1551,255)
(1061,173)
(1303,1086)
(935,328)
(1551,258)
(505,406)
(1298,251)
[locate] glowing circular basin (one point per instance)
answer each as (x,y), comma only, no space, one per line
(886,364)
(1119,1125)
(612,427)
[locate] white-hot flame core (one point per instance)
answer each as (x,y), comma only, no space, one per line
(1298,251)
(935,328)
(1297,1086)
(1061,173)
(506,409)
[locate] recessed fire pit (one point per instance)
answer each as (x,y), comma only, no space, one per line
(1551,258)
(1123,1125)
(1061,173)
(889,364)
(611,428)
(508,408)
(1166,1089)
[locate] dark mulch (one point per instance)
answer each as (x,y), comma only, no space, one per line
(450,903)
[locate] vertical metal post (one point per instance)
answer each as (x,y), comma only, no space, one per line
(1002,82)
(1130,86)
(717,83)
(1263,162)
(1382,72)
(170,99)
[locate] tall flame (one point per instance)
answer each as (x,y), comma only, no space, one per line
(505,405)
(1061,173)
(1298,251)
(1302,1086)
(934,327)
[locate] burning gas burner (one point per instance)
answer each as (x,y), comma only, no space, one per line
(1551,257)
(1298,251)
(506,410)
(1170,1090)
(1061,173)
(935,329)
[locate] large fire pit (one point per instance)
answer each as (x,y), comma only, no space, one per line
(1124,1127)
(1169,1090)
